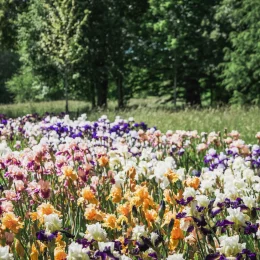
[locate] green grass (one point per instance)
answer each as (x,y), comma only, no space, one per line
(154,113)
(20,109)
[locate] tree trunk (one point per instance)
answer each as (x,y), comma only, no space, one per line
(65,84)
(120,90)
(193,92)
(211,96)
(102,92)
(175,80)
(93,96)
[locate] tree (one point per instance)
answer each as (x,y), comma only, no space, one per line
(179,49)
(9,10)
(124,36)
(9,59)
(9,64)
(61,35)
(240,69)
(112,32)
(51,38)
(97,60)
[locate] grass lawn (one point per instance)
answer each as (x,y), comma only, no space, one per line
(152,112)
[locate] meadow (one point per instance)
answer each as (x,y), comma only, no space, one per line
(154,112)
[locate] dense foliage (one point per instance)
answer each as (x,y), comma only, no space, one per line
(194,52)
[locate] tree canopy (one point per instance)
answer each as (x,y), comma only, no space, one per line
(192,52)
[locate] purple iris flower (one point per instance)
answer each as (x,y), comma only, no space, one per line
(207,159)
(143,126)
(153,255)
(84,242)
(249,254)
(118,246)
(215,212)
(222,257)
(200,208)
(224,223)
(181,151)
(135,251)
(184,202)
(251,228)
(190,229)
(212,256)
(200,222)
(196,173)
(181,215)
(145,245)
(42,236)
(104,255)
(4,122)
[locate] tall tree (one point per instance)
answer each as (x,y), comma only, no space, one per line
(9,11)
(126,24)
(241,70)
(60,37)
(98,56)
(51,37)
(9,59)
(112,32)
(180,48)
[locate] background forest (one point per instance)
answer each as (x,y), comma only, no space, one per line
(191,52)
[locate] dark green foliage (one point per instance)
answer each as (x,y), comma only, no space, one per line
(241,71)
(9,60)
(9,63)
(194,52)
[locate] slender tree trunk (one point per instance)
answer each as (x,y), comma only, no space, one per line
(175,79)
(93,95)
(65,84)
(211,96)
(193,92)
(102,91)
(175,68)
(120,91)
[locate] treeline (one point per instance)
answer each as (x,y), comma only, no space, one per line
(191,51)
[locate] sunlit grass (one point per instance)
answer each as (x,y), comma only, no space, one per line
(152,112)
(20,109)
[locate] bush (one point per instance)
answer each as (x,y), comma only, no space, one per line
(25,86)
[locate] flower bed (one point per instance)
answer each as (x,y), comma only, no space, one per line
(74,189)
